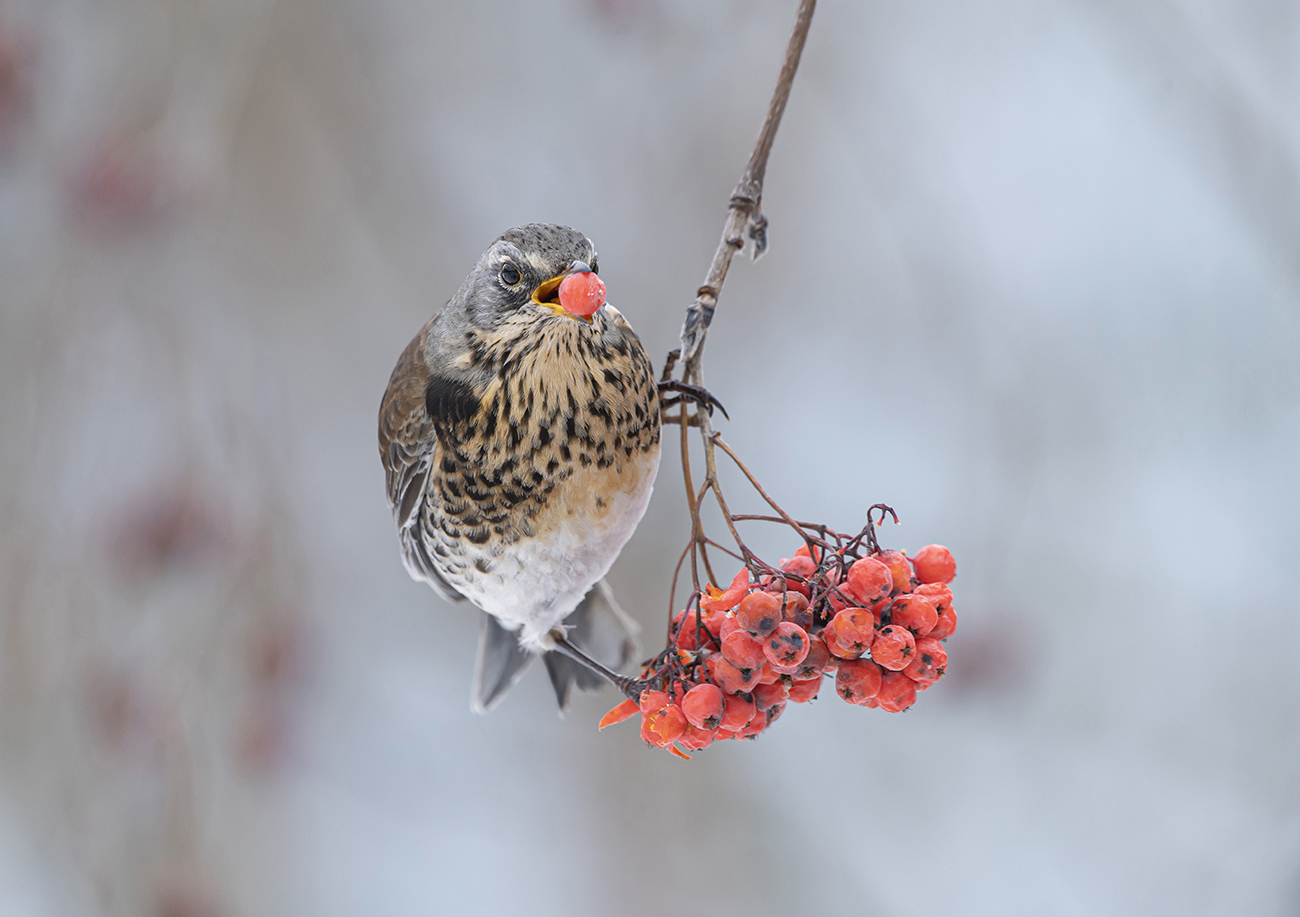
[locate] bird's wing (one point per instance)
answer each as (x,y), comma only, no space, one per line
(407,443)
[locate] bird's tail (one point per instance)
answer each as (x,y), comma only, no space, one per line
(597,625)
(604,631)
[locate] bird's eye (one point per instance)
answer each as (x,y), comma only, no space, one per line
(510,274)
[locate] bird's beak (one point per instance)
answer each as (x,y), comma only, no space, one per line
(548,291)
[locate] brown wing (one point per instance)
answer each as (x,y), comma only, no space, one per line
(406,445)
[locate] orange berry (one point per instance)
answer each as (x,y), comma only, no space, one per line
(849,634)
(729,626)
(727,677)
(915,612)
(897,692)
(934,564)
(582,294)
(716,600)
(929,663)
(900,570)
(759,613)
(703,706)
(805,689)
(738,712)
(893,647)
(623,711)
(744,652)
(869,580)
(767,674)
(799,565)
(858,680)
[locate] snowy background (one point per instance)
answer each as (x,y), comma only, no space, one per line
(1034,281)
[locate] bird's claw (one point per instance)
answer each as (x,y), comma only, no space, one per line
(688,392)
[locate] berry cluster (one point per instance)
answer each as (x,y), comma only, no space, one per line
(874,623)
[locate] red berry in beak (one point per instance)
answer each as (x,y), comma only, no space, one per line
(582,294)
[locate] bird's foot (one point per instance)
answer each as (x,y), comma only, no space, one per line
(687,392)
(631,687)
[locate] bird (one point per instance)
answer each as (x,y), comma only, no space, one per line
(520,444)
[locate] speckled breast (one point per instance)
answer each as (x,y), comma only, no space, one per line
(530,500)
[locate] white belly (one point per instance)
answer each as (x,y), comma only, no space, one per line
(540,580)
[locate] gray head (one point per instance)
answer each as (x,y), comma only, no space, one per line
(523,268)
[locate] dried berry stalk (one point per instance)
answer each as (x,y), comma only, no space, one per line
(744,217)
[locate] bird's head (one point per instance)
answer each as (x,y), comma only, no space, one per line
(524,269)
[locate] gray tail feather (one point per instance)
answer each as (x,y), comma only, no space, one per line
(597,625)
(501,663)
(601,628)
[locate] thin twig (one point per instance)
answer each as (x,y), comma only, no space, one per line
(759,487)
(745,207)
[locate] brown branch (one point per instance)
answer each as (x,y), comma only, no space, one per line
(745,208)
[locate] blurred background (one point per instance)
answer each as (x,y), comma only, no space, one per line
(1034,281)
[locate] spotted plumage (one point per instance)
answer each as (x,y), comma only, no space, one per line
(520,444)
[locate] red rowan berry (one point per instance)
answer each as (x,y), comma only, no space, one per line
(753,727)
(759,613)
(900,571)
(937,593)
(779,585)
(796,610)
(703,706)
(858,680)
(815,555)
(941,595)
(915,612)
(582,294)
(729,626)
(739,711)
(929,662)
(787,645)
(667,723)
(767,674)
(695,738)
(934,564)
(652,700)
(800,565)
(893,647)
(897,692)
(946,624)
(805,689)
(767,695)
(849,634)
(689,635)
(727,677)
(744,652)
(869,580)
(815,662)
